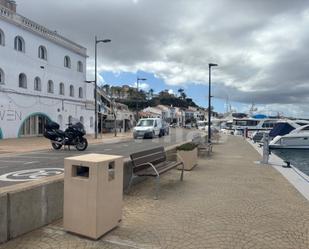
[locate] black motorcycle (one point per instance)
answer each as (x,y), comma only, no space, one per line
(73,135)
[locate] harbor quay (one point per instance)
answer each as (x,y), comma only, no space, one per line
(226,201)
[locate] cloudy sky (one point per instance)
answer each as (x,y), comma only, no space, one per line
(260,45)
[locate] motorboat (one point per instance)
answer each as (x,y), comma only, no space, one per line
(296,139)
(250,125)
(284,127)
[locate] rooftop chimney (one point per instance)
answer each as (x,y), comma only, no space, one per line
(9,4)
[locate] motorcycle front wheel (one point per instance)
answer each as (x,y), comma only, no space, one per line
(82,144)
(56,146)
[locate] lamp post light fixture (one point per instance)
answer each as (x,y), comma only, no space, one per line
(137,88)
(209,101)
(96,85)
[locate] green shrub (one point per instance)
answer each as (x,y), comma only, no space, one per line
(187,147)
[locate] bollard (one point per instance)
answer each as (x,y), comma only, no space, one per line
(288,164)
(265,148)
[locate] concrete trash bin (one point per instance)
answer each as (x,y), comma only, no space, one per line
(92,194)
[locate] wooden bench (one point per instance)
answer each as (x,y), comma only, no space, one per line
(202,144)
(152,163)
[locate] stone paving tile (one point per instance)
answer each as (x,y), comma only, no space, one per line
(227,202)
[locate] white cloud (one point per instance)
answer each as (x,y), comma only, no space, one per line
(171,91)
(260,46)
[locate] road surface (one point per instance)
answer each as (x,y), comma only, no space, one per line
(29,163)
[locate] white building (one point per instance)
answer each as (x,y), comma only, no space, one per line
(42,77)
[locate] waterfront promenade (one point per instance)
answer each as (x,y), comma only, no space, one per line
(227,201)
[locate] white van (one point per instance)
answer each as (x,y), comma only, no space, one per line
(148,127)
(202,125)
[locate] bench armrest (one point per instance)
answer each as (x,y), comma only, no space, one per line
(152,166)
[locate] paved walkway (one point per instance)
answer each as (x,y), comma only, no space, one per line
(227,201)
(28,144)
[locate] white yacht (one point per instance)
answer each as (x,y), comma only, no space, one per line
(284,127)
(296,139)
(253,124)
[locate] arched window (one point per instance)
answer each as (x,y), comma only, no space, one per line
(67,62)
(22,80)
(91,122)
(37,84)
(19,44)
(42,53)
(50,86)
(80,67)
(80,92)
(2,38)
(70,119)
(60,120)
(81,119)
(61,89)
(1,76)
(71,90)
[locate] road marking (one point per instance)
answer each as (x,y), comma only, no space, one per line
(31,162)
(30,174)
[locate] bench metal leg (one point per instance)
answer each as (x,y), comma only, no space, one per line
(157,187)
(182,171)
(130,184)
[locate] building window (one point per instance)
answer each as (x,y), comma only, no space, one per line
(42,53)
(80,92)
(1,76)
(61,89)
(80,67)
(71,90)
(81,119)
(2,39)
(22,80)
(19,44)
(70,119)
(50,86)
(59,120)
(37,84)
(67,62)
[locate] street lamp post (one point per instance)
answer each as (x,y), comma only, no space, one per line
(96,85)
(209,101)
(137,85)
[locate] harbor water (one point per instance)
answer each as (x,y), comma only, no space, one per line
(298,158)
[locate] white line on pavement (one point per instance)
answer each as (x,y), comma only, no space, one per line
(31,162)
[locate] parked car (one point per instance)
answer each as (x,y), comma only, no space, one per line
(148,128)
(165,130)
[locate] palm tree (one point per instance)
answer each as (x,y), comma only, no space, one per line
(183,95)
(150,93)
(180,91)
(107,89)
